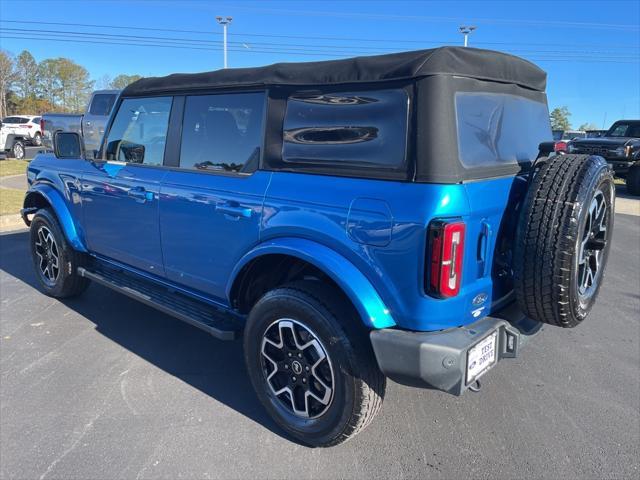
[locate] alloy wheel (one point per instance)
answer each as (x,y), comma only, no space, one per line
(18,151)
(297,368)
(592,245)
(46,249)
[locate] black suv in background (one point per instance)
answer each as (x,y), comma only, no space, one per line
(620,146)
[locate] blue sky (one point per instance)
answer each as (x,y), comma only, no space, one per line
(590,49)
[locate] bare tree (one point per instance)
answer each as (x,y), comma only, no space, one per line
(7,77)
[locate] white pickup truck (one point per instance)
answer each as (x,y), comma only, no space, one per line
(89,125)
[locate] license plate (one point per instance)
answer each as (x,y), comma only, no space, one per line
(481,357)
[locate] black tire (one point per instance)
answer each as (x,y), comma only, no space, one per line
(633,180)
(63,281)
(17,150)
(37,140)
(558,264)
(358,385)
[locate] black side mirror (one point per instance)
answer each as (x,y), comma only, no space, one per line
(132,152)
(68,145)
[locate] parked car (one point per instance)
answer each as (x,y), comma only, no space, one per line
(90,125)
(11,144)
(620,146)
(26,127)
(351,220)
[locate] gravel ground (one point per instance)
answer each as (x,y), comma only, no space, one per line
(103,387)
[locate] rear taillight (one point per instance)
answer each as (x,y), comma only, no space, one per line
(445,254)
(560,147)
(42,125)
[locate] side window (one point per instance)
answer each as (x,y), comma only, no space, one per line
(222,132)
(102,103)
(496,129)
(350,129)
(139,131)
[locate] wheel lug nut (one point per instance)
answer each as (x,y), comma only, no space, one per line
(307,368)
(299,355)
(286,366)
(293,379)
(304,380)
(289,354)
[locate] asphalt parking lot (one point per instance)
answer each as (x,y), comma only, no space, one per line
(104,387)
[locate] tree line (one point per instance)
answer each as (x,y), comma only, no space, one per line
(52,85)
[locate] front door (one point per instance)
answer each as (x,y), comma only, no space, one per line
(211,205)
(120,195)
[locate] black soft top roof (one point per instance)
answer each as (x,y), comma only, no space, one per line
(460,61)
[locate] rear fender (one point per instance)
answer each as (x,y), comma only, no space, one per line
(59,206)
(372,310)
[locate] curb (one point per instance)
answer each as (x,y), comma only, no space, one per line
(627,206)
(9,223)
(13,176)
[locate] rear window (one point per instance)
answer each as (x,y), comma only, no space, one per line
(499,129)
(102,103)
(365,129)
(15,120)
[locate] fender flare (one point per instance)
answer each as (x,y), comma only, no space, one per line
(59,206)
(350,279)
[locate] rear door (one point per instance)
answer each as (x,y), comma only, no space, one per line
(495,130)
(120,194)
(211,203)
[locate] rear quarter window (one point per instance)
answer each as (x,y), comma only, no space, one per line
(365,129)
(499,129)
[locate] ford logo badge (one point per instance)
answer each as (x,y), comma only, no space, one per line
(480,299)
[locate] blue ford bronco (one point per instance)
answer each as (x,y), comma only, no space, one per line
(395,216)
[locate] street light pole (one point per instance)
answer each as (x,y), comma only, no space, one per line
(466,30)
(224,21)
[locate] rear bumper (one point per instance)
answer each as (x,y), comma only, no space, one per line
(438,360)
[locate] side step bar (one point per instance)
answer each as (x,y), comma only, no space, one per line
(222,325)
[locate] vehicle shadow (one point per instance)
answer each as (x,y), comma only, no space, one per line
(214,367)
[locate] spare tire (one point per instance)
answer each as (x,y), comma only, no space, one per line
(563,239)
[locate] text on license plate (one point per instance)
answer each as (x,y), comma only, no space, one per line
(481,357)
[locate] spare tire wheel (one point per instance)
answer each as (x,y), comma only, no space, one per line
(563,239)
